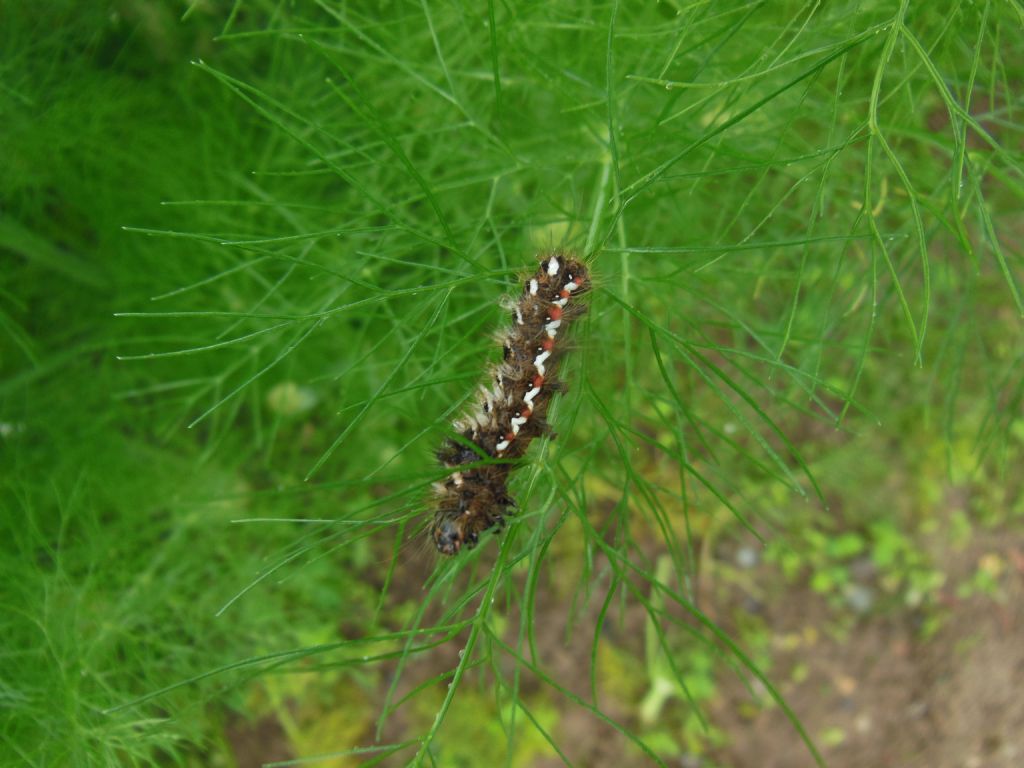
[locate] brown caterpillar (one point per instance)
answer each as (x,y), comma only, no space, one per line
(511,413)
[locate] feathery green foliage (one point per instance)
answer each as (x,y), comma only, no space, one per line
(252,262)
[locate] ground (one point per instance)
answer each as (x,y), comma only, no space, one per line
(883,695)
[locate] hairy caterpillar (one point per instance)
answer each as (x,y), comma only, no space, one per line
(510,413)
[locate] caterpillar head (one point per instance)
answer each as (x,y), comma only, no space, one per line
(466,510)
(451,535)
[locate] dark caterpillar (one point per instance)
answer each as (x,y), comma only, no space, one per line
(511,413)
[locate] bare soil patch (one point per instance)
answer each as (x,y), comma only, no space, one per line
(883,695)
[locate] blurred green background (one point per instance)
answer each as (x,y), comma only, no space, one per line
(251,262)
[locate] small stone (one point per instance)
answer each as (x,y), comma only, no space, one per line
(747,557)
(859,597)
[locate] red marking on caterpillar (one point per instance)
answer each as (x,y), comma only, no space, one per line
(509,415)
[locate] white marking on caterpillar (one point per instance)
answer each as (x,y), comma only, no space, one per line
(533,287)
(528,397)
(553,267)
(552,327)
(571,286)
(560,302)
(519,316)
(502,445)
(538,362)
(457,478)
